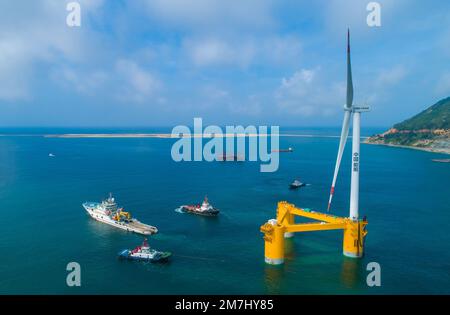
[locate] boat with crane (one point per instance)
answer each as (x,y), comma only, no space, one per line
(108,212)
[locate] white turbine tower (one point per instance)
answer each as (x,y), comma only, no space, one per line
(349,108)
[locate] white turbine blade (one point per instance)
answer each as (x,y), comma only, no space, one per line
(349,75)
(346,122)
(342,142)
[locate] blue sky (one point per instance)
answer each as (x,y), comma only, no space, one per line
(164,62)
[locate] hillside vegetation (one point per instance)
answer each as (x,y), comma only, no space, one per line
(428,130)
(436,116)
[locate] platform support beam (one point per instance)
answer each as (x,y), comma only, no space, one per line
(284,226)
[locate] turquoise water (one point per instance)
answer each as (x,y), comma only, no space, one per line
(405,196)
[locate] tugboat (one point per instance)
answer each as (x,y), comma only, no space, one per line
(296,184)
(144,252)
(204,209)
(108,212)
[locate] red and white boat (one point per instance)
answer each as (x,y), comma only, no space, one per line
(204,209)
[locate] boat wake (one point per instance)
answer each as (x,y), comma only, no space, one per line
(200,258)
(179,210)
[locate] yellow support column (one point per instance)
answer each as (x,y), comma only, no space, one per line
(354,234)
(273,242)
(285,217)
(290,221)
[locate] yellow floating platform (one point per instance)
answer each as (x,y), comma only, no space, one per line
(284,226)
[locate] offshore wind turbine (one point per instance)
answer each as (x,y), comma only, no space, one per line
(349,109)
(284,225)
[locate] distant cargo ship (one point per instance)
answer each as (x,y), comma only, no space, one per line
(204,209)
(108,212)
(284,150)
(230,157)
(441,160)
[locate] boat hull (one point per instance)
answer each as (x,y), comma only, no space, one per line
(132,226)
(296,186)
(206,213)
(163,257)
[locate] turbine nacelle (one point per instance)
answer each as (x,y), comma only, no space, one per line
(357,108)
(361,109)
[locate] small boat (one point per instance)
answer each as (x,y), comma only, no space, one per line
(204,209)
(51,155)
(145,253)
(296,184)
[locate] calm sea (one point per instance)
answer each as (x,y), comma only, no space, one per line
(405,196)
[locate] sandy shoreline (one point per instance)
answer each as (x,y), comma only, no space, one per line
(159,135)
(168,135)
(432,150)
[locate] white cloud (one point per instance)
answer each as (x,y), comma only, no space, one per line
(138,85)
(14,70)
(307,93)
(212,51)
(281,49)
(243,51)
(217,100)
(214,93)
(211,15)
(128,80)
(379,90)
(85,82)
(250,106)
(392,76)
(34,33)
(298,80)
(35,36)
(226,33)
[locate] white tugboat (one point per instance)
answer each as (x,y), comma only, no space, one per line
(108,212)
(144,252)
(204,209)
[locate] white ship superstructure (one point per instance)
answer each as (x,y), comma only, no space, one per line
(108,212)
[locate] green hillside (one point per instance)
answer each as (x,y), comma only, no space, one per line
(429,130)
(434,117)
